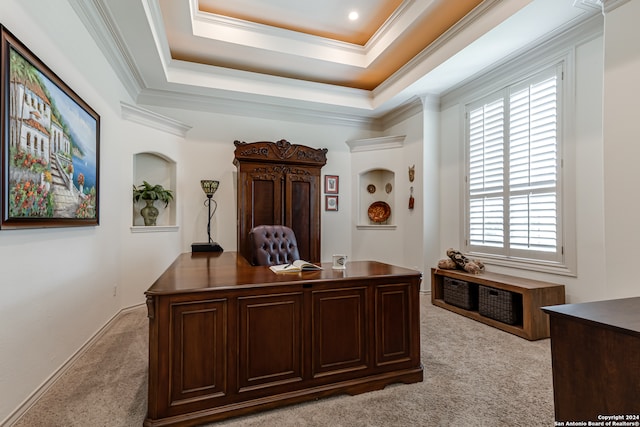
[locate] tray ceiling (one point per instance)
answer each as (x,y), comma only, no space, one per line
(307,56)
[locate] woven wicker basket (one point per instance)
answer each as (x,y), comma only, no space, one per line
(460,293)
(500,305)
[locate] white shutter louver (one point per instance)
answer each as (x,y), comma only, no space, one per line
(513,169)
(486,174)
(533,167)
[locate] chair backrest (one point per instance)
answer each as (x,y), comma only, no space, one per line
(273,245)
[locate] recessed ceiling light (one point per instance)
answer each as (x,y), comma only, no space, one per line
(353,15)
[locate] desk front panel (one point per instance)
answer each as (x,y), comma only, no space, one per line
(226,351)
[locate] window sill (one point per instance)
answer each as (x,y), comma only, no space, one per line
(531,265)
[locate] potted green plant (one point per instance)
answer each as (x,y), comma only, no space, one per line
(150,193)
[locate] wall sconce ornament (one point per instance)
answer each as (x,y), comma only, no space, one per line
(411,199)
(209,187)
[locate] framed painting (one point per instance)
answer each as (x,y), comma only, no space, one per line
(330,203)
(331,184)
(50,145)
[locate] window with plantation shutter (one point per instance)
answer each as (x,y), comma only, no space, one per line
(513,168)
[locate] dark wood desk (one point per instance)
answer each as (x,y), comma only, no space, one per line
(227,338)
(595,349)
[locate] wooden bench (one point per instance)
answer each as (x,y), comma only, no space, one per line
(535,294)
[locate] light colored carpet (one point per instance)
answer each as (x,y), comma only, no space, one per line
(474,375)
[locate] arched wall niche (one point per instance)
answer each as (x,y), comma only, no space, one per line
(155,168)
(376,187)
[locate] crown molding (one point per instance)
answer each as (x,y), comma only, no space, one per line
(401,113)
(317,104)
(267,37)
(389,24)
(589,5)
(153,120)
(253,108)
(610,5)
(553,47)
(373,144)
(437,44)
(603,6)
(100,24)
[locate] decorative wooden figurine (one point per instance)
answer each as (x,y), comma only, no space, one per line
(411,200)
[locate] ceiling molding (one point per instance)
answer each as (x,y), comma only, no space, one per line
(154,120)
(153,78)
(389,24)
(100,24)
(253,108)
(230,30)
(589,5)
(156,26)
(398,115)
(374,144)
(552,47)
(418,61)
(609,5)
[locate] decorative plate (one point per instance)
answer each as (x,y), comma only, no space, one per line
(371,188)
(379,211)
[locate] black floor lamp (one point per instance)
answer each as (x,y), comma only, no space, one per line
(209,187)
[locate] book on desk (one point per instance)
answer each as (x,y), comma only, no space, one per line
(294,267)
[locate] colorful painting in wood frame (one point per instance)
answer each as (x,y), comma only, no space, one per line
(50,145)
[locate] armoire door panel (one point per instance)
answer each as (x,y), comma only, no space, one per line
(199,342)
(393,339)
(300,216)
(339,331)
(270,340)
(266,203)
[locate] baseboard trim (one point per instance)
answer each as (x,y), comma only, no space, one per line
(49,382)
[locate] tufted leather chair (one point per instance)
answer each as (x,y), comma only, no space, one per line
(273,245)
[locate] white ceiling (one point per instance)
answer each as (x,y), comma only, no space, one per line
(252,56)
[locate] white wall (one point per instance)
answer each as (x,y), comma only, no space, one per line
(57,285)
(416,242)
(621,148)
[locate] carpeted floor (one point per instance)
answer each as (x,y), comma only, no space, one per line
(474,375)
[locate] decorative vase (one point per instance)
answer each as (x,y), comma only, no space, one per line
(149,213)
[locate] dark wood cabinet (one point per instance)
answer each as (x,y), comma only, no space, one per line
(227,338)
(595,354)
(279,183)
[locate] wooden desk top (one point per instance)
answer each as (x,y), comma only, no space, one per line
(622,315)
(195,272)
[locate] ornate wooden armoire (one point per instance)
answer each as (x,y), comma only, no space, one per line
(279,183)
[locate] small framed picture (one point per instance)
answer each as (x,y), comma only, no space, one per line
(330,203)
(331,184)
